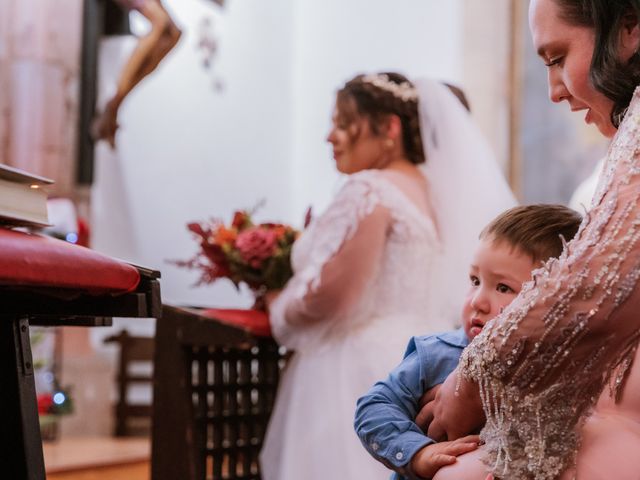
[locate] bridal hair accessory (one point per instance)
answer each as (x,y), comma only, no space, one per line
(404,91)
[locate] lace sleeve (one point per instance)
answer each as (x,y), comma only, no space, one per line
(542,364)
(343,251)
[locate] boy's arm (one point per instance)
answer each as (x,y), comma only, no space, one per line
(385,415)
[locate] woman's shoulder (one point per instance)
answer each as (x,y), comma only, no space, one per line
(379,184)
(371,179)
(375,191)
(396,191)
(366,187)
(358,198)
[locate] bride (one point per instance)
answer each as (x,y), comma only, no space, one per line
(368,272)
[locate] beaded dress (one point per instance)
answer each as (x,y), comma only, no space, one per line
(542,365)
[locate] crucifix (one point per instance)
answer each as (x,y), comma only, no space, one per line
(108,17)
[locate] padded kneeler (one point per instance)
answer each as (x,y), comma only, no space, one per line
(44,281)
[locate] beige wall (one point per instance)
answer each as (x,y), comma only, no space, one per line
(486,69)
(39,77)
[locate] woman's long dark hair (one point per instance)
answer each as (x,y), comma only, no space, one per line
(615,79)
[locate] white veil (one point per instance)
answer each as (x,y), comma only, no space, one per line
(468,188)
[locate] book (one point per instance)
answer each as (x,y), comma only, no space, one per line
(23,198)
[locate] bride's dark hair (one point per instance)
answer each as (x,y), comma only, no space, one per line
(359,98)
(615,79)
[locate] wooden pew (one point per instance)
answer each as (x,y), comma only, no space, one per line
(216,374)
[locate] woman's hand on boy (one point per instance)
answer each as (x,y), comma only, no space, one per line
(427,461)
(429,395)
(456,410)
(425,415)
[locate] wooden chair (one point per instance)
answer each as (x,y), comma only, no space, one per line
(132,418)
(214,390)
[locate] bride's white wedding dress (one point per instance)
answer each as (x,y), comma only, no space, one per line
(362,288)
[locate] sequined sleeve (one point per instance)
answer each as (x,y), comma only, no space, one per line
(542,364)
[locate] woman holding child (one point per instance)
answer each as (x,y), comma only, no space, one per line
(368,272)
(510,247)
(557,374)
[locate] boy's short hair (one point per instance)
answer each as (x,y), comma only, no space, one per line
(535,229)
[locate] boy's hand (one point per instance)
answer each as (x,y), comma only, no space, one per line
(426,462)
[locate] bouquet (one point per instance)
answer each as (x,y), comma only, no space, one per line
(258,255)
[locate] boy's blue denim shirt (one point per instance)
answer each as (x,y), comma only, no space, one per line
(385,416)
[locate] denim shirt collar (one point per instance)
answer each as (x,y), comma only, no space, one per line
(455,338)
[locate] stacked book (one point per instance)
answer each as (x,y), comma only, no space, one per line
(23,198)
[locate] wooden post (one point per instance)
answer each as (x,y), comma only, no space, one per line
(20,444)
(92,28)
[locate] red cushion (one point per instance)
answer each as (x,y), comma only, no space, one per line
(253,321)
(39,261)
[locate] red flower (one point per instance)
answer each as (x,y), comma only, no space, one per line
(279,229)
(241,220)
(45,403)
(218,259)
(256,245)
(196,228)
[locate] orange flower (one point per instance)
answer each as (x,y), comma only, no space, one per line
(225,235)
(280,231)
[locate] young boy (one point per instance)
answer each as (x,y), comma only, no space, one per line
(510,247)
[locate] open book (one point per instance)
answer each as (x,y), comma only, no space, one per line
(23,201)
